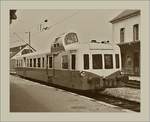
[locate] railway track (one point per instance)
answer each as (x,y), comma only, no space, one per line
(123,103)
(133,84)
(120,102)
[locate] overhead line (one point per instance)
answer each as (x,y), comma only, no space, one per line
(24,41)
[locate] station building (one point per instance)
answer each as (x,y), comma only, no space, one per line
(126,33)
(18,51)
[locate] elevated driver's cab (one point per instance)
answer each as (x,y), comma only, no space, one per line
(64,42)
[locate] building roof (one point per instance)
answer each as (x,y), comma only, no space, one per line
(33,54)
(15,50)
(125,15)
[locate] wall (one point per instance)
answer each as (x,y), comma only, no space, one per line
(128,25)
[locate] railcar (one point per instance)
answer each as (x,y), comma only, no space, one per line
(71,64)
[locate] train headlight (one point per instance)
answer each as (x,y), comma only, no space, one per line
(122,73)
(82,74)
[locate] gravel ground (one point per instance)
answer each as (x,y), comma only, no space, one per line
(124,92)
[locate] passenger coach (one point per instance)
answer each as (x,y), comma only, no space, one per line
(71,64)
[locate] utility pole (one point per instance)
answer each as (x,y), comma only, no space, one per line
(29,37)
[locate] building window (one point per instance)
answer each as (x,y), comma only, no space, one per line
(50,62)
(97,61)
(108,61)
(135,32)
(86,61)
(73,61)
(65,62)
(39,62)
(34,62)
(117,60)
(30,62)
(43,62)
(122,34)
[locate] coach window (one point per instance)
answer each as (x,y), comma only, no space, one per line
(34,62)
(30,62)
(86,61)
(27,62)
(117,60)
(50,62)
(73,61)
(108,61)
(97,61)
(39,62)
(20,63)
(65,62)
(54,45)
(43,62)
(17,63)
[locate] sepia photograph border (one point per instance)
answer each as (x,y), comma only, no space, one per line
(6,115)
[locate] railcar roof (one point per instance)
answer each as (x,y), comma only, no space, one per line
(92,46)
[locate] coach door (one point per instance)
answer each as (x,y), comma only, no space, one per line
(73,70)
(50,67)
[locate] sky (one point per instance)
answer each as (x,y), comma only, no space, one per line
(88,24)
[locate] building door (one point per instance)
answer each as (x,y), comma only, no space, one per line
(123,61)
(137,63)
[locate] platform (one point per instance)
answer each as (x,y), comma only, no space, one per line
(28,96)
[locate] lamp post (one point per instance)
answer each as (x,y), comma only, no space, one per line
(42,27)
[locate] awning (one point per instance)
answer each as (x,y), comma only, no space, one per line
(134,45)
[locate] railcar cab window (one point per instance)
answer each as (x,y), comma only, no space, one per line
(50,62)
(108,58)
(117,60)
(34,62)
(30,62)
(86,61)
(71,38)
(97,61)
(65,62)
(39,62)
